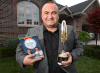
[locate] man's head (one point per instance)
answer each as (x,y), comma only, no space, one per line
(28,51)
(36,48)
(50,14)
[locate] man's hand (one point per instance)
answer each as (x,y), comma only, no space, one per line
(68,62)
(28,61)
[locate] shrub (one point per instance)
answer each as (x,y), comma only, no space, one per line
(92,51)
(7,51)
(12,42)
(84,36)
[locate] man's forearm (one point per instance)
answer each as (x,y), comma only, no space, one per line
(20,55)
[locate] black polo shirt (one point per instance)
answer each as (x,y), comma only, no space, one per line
(51,41)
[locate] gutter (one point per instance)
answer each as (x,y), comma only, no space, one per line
(78,13)
(65,7)
(72,15)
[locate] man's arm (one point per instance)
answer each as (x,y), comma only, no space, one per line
(22,58)
(20,55)
(77,50)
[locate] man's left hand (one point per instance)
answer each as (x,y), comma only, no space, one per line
(68,62)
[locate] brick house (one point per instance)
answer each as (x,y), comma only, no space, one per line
(17,16)
(77,15)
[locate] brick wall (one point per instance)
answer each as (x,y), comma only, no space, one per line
(8,19)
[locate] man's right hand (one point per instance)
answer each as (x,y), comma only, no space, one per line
(28,61)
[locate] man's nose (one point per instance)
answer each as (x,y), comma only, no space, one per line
(50,16)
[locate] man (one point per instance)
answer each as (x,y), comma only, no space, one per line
(49,37)
(28,51)
(38,53)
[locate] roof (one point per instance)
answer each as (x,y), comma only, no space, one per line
(80,7)
(59,6)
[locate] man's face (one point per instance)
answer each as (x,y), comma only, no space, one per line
(28,51)
(36,49)
(50,15)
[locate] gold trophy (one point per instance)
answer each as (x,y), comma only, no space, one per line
(62,56)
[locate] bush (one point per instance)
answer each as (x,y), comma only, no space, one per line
(7,51)
(12,42)
(92,51)
(84,36)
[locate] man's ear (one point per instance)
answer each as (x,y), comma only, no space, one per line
(41,15)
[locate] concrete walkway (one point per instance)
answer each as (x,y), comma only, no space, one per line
(93,42)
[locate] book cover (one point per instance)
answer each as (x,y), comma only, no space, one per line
(31,45)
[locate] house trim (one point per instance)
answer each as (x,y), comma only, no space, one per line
(77,13)
(23,25)
(64,8)
(88,6)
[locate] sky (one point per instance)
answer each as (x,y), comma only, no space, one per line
(70,2)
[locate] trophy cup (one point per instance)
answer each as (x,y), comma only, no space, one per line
(62,56)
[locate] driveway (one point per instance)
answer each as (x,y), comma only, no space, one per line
(93,42)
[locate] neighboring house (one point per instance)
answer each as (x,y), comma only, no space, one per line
(75,15)
(17,16)
(79,12)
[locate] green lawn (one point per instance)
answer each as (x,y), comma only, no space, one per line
(88,65)
(84,65)
(9,65)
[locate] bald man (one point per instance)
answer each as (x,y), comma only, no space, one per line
(49,37)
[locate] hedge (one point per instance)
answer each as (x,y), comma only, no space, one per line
(7,51)
(92,51)
(12,42)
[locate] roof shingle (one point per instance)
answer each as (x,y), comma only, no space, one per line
(59,6)
(80,7)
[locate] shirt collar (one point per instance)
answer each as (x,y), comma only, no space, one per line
(44,28)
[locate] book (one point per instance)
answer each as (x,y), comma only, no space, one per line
(31,45)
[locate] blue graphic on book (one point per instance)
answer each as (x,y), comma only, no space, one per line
(30,44)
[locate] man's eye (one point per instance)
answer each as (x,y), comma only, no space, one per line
(54,12)
(46,13)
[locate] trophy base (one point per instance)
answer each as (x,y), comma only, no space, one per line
(59,63)
(60,59)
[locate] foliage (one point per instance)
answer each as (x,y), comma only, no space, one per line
(12,42)
(84,36)
(92,51)
(7,51)
(93,17)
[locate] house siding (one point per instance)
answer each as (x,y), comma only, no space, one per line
(8,19)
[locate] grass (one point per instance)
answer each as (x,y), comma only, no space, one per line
(9,65)
(88,65)
(84,65)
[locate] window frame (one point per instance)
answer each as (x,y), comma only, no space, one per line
(25,20)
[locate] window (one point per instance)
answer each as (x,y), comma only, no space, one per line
(27,14)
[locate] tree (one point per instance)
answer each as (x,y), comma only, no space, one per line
(84,36)
(93,17)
